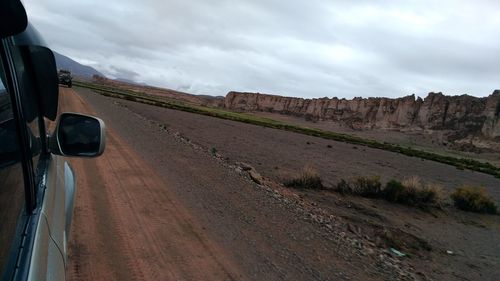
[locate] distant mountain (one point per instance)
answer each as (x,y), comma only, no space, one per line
(77,69)
(128,81)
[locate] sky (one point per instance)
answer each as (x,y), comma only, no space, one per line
(299,48)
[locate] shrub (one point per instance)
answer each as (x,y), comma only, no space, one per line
(473,199)
(367,186)
(409,192)
(430,194)
(412,183)
(362,186)
(308,179)
(343,187)
(394,191)
(412,192)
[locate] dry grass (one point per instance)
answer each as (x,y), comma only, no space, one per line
(409,192)
(361,186)
(413,182)
(473,199)
(307,179)
(343,187)
(394,191)
(413,192)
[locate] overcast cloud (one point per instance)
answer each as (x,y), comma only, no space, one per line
(300,48)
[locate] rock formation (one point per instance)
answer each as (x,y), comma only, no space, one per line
(465,115)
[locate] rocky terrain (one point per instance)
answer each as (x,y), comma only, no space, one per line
(224,179)
(458,124)
(458,117)
(464,116)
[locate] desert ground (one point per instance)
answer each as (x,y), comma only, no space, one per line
(427,140)
(169,200)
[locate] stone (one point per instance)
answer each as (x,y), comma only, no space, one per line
(255,176)
(244,166)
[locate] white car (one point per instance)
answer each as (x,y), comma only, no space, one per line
(37,185)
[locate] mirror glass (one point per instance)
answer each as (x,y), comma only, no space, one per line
(79,135)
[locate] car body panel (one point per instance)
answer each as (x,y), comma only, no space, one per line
(49,254)
(70,191)
(59,195)
(46,259)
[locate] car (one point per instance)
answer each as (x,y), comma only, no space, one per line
(37,183)
(65,77)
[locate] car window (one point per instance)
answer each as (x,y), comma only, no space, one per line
(11,176)
(29,99)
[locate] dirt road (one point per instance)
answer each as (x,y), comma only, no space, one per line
(181,215)
(159,206)
(127,226)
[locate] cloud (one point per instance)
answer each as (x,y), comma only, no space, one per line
(298,48)
(124,73)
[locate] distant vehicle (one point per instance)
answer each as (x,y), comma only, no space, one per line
(37,185)
(65,77)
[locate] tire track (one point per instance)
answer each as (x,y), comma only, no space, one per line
(128,226)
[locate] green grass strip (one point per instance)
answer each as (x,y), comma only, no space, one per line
(460,163)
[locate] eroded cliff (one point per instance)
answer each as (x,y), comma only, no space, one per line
(466,115)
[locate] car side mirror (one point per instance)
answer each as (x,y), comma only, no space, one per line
(78,135)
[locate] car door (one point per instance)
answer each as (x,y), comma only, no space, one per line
(37,186)
(40,253)
(14,213)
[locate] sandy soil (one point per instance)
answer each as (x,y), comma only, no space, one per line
(280,154)
(435,141)
(266,232)
(127,225)
(266,238)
